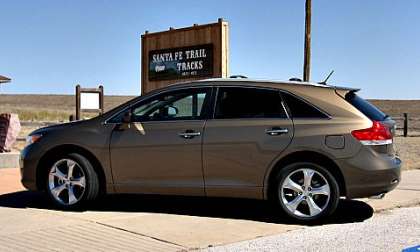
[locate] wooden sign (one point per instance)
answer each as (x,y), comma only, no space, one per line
(89,100)
(191,53)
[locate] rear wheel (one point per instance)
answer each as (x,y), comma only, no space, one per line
(307,191)
(72,181)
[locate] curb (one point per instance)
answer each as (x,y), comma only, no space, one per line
(9,160)
(404,205)
(413,202)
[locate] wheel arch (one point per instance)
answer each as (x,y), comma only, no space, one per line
(66,149)
(303,156)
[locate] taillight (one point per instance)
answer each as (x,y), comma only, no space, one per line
(378,134)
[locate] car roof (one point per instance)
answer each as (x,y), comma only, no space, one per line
(252,82)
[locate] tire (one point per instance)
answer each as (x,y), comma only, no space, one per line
(313,202)
(74,191)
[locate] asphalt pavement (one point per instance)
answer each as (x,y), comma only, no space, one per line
(28,222)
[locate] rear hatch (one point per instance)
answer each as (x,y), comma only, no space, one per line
(378,118)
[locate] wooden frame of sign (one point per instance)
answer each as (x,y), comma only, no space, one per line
(179,55)
(99,108)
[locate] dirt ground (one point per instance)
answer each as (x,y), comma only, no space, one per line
(408,150)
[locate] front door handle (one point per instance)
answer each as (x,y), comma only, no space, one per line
(276,131)
(188,134)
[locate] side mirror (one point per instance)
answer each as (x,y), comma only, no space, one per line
(127,117)
(172,111)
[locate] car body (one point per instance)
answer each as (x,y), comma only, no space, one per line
(225,138)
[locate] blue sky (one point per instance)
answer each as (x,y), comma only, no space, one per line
(49,46)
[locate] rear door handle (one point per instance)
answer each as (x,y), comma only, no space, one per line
(276,131)
(189,134)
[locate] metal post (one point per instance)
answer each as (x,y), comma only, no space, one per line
(307,49)
(405,124)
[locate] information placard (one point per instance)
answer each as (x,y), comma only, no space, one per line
(89,101)
(183,62)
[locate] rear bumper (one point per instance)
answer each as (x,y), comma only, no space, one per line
(369,174)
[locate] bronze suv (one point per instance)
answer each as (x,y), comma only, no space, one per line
(301,145)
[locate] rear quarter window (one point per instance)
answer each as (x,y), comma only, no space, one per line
(301,109)
(367,108)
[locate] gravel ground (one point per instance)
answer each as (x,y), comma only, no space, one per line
(387,231)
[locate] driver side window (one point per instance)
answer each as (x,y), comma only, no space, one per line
(179,105)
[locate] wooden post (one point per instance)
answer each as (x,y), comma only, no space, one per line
(405,124)
(78,102)
(101,98)
(79,109)
(307,49)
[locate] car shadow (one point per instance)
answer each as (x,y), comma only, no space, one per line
(348,211)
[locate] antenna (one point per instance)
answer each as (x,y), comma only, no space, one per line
(326,79)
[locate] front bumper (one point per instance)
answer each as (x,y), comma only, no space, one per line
(370,174)
(28,163)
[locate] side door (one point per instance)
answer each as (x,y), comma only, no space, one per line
(160,151)
(249,130)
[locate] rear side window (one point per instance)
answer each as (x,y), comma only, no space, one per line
(238,102)
(300,109)
(368,109)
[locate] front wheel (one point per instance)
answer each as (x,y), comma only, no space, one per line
(307,191)
(72,181)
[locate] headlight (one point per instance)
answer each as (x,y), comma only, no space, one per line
(32,139)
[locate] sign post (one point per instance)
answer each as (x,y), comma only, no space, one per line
(89,100)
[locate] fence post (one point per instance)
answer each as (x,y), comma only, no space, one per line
(405,124)
(78,102)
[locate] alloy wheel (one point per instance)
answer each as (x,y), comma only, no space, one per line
(305,193)
(66,182)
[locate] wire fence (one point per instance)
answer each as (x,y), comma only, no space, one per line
(407,126)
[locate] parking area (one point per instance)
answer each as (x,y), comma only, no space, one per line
(153,223)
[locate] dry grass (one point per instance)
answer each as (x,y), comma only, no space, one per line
(58,108)
(51,108)
(396,109)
